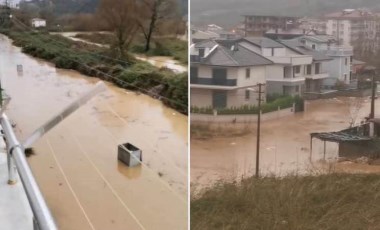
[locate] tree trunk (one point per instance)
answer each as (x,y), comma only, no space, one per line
(151,27)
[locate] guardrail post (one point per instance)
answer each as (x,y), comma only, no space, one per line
(35,224)
(11,166)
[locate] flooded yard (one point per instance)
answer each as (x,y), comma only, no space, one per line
(76,163)
(285,144)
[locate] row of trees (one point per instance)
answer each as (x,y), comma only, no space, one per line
(126,18)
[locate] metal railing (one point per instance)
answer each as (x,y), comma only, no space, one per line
(212,81)
(43,219)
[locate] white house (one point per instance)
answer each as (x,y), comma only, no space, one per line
(38,22)
(340,65)
(295,70)
(222,73)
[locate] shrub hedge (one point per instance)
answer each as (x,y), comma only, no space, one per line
(273,105)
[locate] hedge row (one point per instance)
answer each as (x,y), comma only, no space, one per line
(281,102)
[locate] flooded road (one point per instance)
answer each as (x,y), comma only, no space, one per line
(285,144)
(158,61)
(76,163)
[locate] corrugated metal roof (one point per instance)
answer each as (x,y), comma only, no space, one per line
(339,137)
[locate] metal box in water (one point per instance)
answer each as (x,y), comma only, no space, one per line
(129,154)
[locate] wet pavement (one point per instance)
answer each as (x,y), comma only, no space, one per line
(285,144)
(76,163)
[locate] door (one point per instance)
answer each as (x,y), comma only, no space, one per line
(219,76)
(219,99)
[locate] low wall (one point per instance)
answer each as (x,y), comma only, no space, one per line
(205,118)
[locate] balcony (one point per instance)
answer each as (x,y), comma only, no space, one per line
(340,51)
(317,76)
(210,83)
(292,60)
(195,58)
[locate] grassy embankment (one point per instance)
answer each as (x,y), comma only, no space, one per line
(332,201)
(138,75)
(170,47)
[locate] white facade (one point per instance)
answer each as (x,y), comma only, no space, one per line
(237,94)
(354,28)
(340,67)
(37,22)
(341,30)
(287,75)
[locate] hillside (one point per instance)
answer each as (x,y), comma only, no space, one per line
(228,13)
(80,6)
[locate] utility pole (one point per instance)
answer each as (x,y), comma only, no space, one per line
(258,132)
(372,114)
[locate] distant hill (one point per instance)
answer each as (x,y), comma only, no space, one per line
(83,6)
(228,12)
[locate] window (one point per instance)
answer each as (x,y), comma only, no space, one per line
(272,52)
(345,77)
(297,69)
(308,70)
(247,95)
(297,89)
(201,52)
(247,73)
(313,46)
(346,61)
(317,68)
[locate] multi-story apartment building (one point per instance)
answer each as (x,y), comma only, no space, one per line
(257,25)
(313,24)
(353,27)
(223,73)
(340,65)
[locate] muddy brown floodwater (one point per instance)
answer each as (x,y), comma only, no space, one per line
(76,163)
(285,144)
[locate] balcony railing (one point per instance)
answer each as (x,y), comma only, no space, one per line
(340,51)
(195,58)
(215,82)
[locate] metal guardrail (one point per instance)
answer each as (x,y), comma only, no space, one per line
(43,219)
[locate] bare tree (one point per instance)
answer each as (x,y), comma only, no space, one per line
(121,17)
(152,12)
(355,106)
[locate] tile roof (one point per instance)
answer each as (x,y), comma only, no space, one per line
(263,42)
(234,57)
(297,46)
